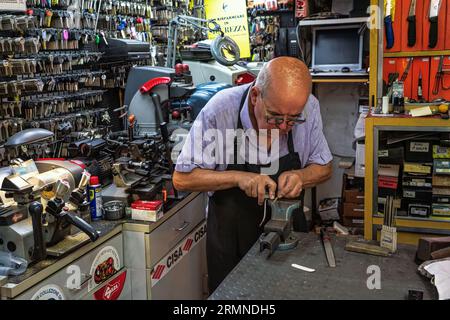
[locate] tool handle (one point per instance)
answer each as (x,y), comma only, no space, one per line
(389,32)
(433,38)
(82,225)
(39,250)
(411,31)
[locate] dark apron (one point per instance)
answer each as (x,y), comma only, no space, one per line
(234,218)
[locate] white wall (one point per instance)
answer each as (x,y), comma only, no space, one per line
(339,109)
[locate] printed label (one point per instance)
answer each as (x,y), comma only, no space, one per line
(419,147)
(383,153)
(409,194)
(49,292)
(113,289)
(163,267)
(419,211)
(105,265)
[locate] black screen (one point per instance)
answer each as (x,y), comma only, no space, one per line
(339,46)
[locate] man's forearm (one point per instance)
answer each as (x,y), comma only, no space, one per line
(202,180)
(314,174)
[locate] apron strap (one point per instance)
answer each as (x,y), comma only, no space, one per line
(244,96)
(291,143)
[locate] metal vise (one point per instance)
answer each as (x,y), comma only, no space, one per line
(278,230)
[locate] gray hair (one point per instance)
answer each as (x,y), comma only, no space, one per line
(263,79)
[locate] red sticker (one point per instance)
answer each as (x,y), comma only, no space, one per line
(113,289)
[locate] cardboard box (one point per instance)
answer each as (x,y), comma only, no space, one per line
(419,26)
(438,199)
(388,182)
(421,65)
(354,196)
(441,93)
(417,182)
(441,181)
(353,210)
(441,26)
(441,167)
(441,210)
(398,65)
(417,209)
(146,210)
(397,28)
(419,151)
(422,195)
(391,155)
(417,168)
(441,191)
(441,152)
(389,170)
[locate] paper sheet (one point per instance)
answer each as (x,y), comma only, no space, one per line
(441,272)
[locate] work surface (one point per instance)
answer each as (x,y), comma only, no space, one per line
(256,277)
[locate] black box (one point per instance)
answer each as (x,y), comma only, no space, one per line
(419,151)
(419,209)
(384,192)
(391,155)
(413,181)
(418,194)
(441,199)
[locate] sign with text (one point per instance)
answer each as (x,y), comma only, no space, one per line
(13,5)
(231,15)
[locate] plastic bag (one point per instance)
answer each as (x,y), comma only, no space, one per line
(11,265)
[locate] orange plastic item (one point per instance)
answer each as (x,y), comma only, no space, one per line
(447,22)
(419,25)
(397,27)
(441,26)
(398,65)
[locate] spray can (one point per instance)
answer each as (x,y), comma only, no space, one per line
(95,198)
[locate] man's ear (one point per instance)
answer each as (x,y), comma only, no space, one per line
(254,95)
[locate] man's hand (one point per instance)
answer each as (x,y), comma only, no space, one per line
(254,185)
(290,185)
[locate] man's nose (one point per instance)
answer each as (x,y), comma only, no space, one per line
(283,126)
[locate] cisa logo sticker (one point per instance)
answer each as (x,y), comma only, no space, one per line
(113,289)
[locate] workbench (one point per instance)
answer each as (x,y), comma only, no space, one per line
(259,278)
(125,244)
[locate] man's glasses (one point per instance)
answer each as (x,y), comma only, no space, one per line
(277,120)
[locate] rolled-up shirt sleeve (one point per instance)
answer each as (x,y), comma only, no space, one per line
(193,153)
(320,152)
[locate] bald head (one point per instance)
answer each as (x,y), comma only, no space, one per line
(284,73)
(282,88)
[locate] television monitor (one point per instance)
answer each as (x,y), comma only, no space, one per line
(337,47)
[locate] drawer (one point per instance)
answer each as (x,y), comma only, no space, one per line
(172,231)
(354,196)
(353,210)
(81,276)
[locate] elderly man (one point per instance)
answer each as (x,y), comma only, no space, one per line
(280,107)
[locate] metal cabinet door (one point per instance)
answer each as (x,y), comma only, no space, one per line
(181,274)
(56,286)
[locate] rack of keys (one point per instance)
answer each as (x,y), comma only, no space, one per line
(263,36)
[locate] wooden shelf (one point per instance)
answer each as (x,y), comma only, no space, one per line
(394,121)
(417,54)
